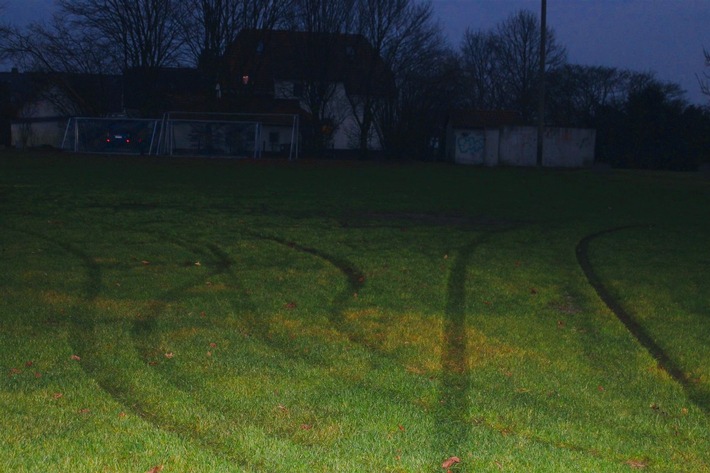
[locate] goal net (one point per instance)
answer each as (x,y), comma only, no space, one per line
(187,134)
(228,135)
(110,135)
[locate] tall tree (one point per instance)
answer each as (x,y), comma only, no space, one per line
(425,75)
(322,22)
(146,32)
(209,26)
(705,79)
(391,28)
(480,68)
(578,93)
(504,63)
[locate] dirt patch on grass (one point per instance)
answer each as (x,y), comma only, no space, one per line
(399,219)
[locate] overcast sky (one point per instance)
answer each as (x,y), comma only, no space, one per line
(663,36)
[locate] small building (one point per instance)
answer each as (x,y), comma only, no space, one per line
(500,138)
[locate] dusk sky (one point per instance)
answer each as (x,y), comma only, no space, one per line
(663,36)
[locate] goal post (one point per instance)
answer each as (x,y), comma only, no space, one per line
(228,135)
(118,135)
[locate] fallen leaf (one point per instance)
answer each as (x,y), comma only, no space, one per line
(155,469)
(487,302)
(306,427)
(446,256)
(401,427)
(75,357)
(654,406)
(57,395)
(209,353)
(202,314)
(560,324)
(169,355)
(38,374)
(450,462)
(533,290)
(152,363)
(213,345)
(29,363)
(14,371)
(85,410)
(600,388)
(145,262)
(197,263)
(121,415)
(290,305)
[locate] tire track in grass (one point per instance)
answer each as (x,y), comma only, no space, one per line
(452,414)
(353,275)
(452,417)
(642,336)
(121,386)
(452,423)
(261,328)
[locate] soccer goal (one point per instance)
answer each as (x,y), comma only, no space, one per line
(228,135)
(111,135)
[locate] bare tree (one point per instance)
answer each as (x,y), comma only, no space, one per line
(146,32)
(480,66)
(425,78)
(209,26)
(578,93)
(705,79)
(505,63)
(56,47)
(322,23)
(400,32)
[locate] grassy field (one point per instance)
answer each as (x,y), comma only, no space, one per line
(219,316)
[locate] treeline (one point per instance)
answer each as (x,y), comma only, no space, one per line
(640,120)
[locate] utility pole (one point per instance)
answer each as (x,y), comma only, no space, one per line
(541,78)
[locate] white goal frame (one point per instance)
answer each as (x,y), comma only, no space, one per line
(96,135)
(231,127)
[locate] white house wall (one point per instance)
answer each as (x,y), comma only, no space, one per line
(38,133)
(339,108)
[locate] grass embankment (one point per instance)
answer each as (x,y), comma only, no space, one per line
(236,316)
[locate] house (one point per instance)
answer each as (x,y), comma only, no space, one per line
(36,106)
(296,89)
(336,79)
(500,137)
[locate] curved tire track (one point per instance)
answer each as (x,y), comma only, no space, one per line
(665,362)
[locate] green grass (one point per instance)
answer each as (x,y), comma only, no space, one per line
(348,317)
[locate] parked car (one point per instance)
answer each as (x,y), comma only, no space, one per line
(118,138)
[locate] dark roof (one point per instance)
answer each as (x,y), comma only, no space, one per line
(267,56)
(84,93)
(484,118)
